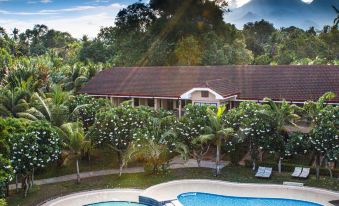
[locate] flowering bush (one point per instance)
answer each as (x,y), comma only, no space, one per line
(36,148)
(255,127)
(84,107)
(6,174)
(324,136)
(119,126)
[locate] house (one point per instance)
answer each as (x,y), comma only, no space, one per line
(174,87)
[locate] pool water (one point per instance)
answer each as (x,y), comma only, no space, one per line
(204,199)
(115,204)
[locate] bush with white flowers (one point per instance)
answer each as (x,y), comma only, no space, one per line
(255,127)
(6,174)
(36,148)
(117,127)
(83,108)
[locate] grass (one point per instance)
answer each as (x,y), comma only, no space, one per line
(101,159)
(142,180)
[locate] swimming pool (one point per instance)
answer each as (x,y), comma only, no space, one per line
(115,204)
(204,199)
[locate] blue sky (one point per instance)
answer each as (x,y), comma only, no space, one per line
(78,17)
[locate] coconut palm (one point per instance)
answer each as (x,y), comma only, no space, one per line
(283,115)
(50,107)
(75,142)
(312,108)
(336,20)
(217,132)
(13,101)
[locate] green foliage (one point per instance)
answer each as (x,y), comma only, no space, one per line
(6,174)
(84,108)
(118,127)
(5,59)
(37,147)
(3,202)
(188,51)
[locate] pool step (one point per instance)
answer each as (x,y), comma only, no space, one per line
(173,203)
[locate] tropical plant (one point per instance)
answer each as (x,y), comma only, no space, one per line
(84,108)
(217,132)
(336,20)
(118,127)
(189,129)
(49,109)
(6,175)
(13,102)
(75,142)
(37,147)
(283,114)
(312,108)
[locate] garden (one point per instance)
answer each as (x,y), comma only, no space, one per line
(60,133)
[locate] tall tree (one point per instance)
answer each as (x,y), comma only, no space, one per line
(217,132)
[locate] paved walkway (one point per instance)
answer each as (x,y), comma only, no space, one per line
(176,163)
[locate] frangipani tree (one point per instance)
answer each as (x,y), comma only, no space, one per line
(83,108)
(118,127)
(254,127)
(189,129)
(324,136)
(217,132)
(39,146)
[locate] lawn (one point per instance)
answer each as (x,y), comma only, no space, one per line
(101,159)
(142,180)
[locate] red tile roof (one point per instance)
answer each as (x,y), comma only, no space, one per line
(293,83)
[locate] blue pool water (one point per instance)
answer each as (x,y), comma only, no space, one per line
(203,199)
(115,204)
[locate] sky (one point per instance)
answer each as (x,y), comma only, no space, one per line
(77,17)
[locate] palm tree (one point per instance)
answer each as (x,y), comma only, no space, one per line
(154,149)
(283,115)
(75,142)
(13,101)
(312,108)
(216,131)
(50,107)
(336,20)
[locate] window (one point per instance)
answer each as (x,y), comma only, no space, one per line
(150,102)
(205,94)
(136,102)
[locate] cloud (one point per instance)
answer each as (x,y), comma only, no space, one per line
(85,8)
(46,1)
(82,24)
(25,13)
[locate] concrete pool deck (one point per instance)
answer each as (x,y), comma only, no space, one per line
(168,192)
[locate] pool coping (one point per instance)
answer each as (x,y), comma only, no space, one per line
(177,187)
(160,194)
(95,196)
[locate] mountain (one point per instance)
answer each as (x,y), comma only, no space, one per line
(285,13)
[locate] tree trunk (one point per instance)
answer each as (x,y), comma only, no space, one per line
(198,161)
(329,169)
(121,165)
(32,182)
(78,171)
(317,164)
(279,165)
(218,159)
(26,187)
(254,166)
(16,183)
